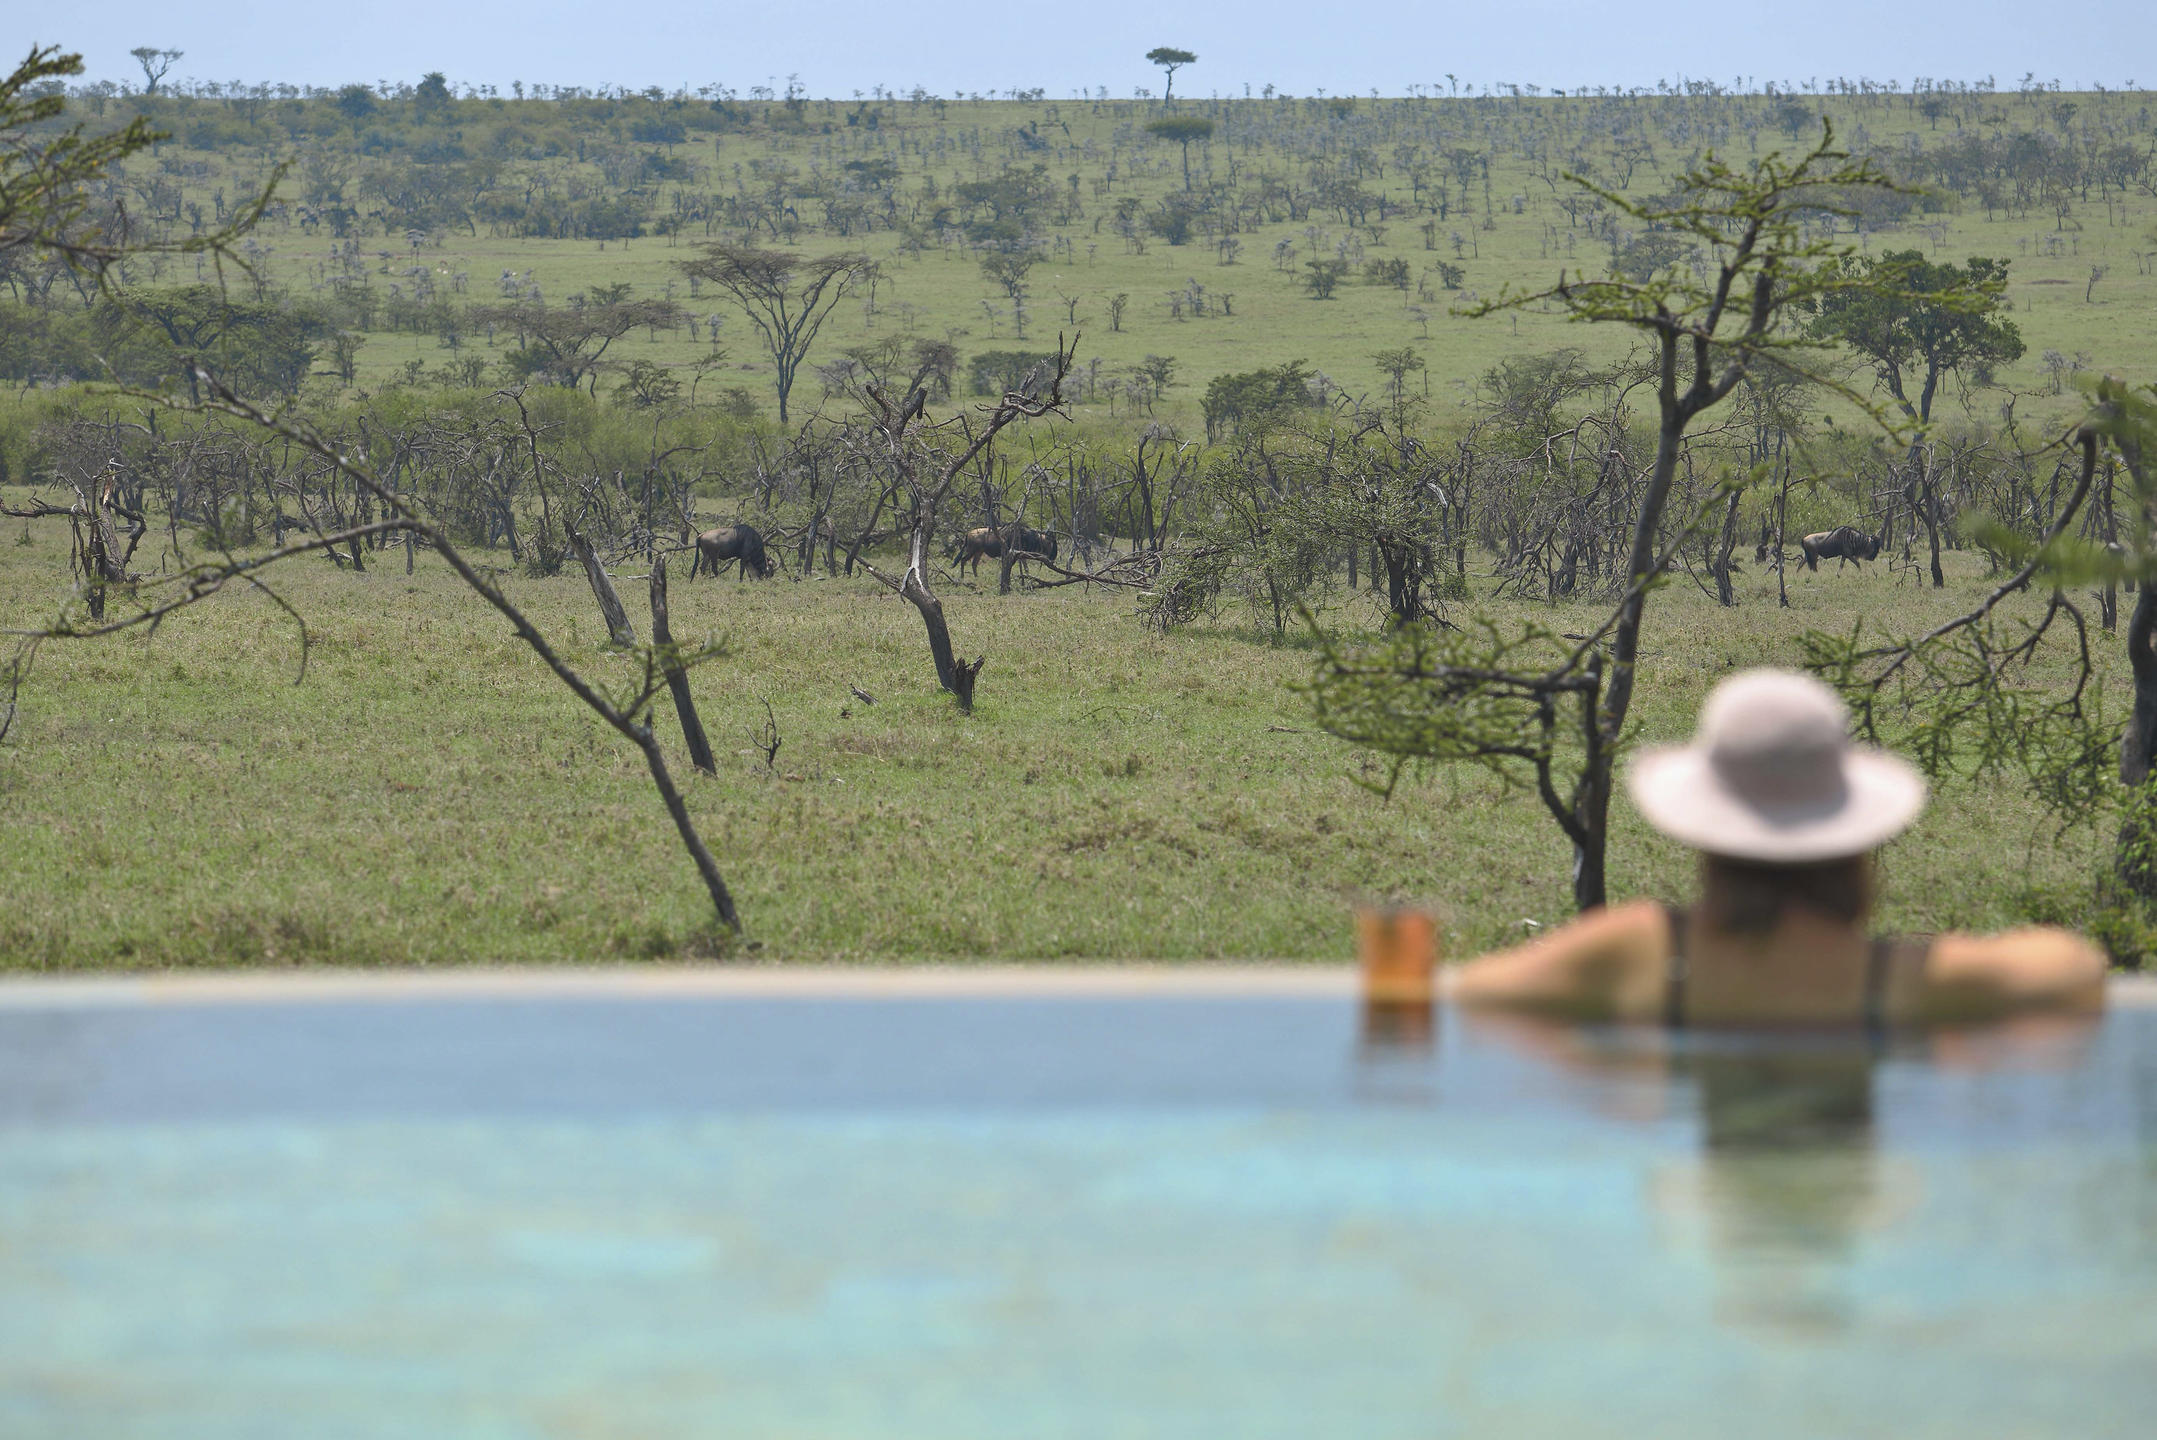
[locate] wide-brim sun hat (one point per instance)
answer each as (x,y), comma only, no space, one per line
(1771,775)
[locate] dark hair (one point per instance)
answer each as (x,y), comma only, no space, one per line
(1751,896)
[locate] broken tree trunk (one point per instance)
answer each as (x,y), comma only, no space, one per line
(610,604)
(95,565)
(97,549)
(1726,545)
(954,674)
(708,868)
(685,705)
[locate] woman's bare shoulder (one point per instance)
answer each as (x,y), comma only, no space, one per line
(1593,967)
(2037,967)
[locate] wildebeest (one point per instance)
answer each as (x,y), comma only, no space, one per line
(733,542)
(982,541)
(1845,543)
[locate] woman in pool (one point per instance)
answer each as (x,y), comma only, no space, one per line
(1786,814)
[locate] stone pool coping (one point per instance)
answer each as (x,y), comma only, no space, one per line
(1193,980)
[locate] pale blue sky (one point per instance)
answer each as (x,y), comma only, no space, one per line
(844,46)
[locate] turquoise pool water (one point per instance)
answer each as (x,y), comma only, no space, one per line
(1057,1217)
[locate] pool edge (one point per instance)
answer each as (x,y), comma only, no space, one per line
(687,982)
(1196,980)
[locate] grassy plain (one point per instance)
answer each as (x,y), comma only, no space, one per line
(1510,232)
(430,795)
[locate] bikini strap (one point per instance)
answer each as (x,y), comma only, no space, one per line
(1674,975)
(1879,969)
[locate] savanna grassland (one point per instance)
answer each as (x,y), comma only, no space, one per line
(396,218)
(1128,784)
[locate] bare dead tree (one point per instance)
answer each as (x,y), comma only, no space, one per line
(922,461)
(95,553)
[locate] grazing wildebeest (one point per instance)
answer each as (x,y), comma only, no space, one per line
(1035,542)
(973,544)
(733,542)
(1845,543)
(982,541)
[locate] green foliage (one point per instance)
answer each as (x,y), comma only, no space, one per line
(1180,129)
(1914,319)
(150,338)
(498,826)
(1170,59)
(1708,332)
(1005,209)
(999,372)
(1008,270)
(1392,271)
(1954,708)
(649,387)
(42,345)
(1531,391)
(1430,694)
(786,297)
(567,345)
(1324,277)
(356,103)
(1256,399)
(1762,258)
(1272,511)
(1397,366)
(492,183)
(1646,256)
(1171,221)
(431,99)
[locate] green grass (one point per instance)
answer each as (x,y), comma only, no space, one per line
(429,795)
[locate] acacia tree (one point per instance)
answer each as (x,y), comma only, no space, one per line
(155,63)
(1170,59)
(567,344)
(1397,366)
(255,346)
(1916,322)
(787,297)
(1182,129)
(1007,270)
(432,96)
(1547,703)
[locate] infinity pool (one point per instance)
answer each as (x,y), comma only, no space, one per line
(1202,1207)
